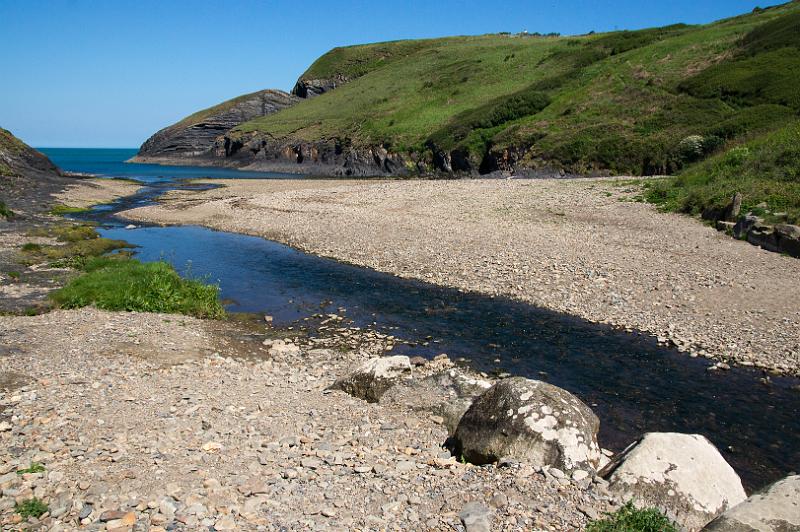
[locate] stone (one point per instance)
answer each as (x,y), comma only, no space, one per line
(371,379)
(476,517)
(726,227)
(280,349)
(773,509)
(60,504)
(744,224)
(734,208)
(788,239)
(418,361)
(445,395)
(530,421)
(683,475)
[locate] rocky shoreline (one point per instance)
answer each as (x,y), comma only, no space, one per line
(583,247)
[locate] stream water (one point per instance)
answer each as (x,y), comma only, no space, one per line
(633,384)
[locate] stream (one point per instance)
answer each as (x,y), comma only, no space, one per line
(633,384)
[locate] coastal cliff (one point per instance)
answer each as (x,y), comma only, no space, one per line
(194,136)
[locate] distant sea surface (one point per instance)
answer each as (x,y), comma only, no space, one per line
(110,162)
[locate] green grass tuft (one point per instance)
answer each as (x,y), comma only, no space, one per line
(34,507)
(60,210)
(124,284)
(5,212)
(631,519)
(35,467)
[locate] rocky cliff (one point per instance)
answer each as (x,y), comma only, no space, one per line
(27,177)
(195,135)
(18,159)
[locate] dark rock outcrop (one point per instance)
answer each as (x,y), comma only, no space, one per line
(309,88)
(195,136)
(17,158)
(333,157)
(27,177)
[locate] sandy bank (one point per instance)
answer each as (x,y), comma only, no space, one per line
(87,192)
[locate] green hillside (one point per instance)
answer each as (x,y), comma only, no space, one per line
(622,102)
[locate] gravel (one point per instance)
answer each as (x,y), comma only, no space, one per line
(159,422)
(583,247)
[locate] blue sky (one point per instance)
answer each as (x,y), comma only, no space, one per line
(110,73)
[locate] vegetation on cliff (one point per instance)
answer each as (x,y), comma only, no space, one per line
(621,102)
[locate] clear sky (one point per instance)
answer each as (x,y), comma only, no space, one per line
(83,73)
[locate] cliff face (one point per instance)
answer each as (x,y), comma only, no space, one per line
(194,136)
(27,177)
(17,159)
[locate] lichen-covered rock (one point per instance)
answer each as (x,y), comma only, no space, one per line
(683,475)
(774,509)
(529,421)
(371,379)
(447,394)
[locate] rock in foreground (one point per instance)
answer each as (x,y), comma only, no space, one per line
(683,475)
(529,421)
(447,394)
(374,377)
(775,509)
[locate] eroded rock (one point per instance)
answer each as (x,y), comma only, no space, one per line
(373,378)
(774,509)
(532,421)
(447,394)
(683,475)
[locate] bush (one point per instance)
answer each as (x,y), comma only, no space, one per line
(31,508)
(766,169)
(114,283)
(5,212)
(631,519)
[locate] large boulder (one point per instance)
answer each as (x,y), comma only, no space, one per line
(683,475)
(371,379)
(447,394)
(788,237)
(774,509)
(529,421)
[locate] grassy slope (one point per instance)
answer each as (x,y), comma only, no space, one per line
(622,102)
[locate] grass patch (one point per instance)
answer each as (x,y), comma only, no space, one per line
(764,170)
(112,283)
(631,519)
(79,243)
(34,507)
(35,467)
(5,212)
(61,210)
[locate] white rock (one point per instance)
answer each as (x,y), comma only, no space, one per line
(774,509)
(683,475)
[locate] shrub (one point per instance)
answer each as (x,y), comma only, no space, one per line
(631,519)
(5,212)
(31,508)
